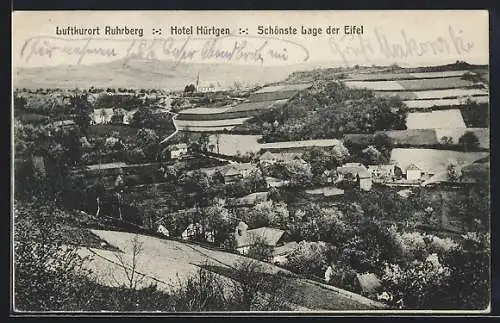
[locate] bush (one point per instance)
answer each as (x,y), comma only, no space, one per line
(309,258)
(48,273)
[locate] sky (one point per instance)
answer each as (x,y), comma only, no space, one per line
(407,38)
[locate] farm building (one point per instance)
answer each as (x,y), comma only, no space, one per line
(432,161)
(280,253)
(275,182)
(178,151)
(63,124)
(246,238)
(413,173)
(381,171)
(267,158)
(102,116)
(357,171)
(238,171)
(326,191)
(195,231)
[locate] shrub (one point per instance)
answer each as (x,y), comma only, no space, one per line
(309,258)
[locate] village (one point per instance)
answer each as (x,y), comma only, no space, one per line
(224,169)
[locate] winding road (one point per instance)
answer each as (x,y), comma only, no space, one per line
(176,129)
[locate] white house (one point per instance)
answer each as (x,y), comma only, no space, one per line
(164,231)
(192,230)
(413,173)
(178,151)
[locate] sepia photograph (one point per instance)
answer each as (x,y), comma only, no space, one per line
(250,162)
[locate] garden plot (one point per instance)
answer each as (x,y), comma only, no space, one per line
(435,119)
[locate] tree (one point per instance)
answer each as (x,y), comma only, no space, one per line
(258,291)
(48,274)
(190,88)
(148,141)
(453,172)
(143,118)
(445,140)
(420,284)
(130,268)
(82,112)
(469,141)
(299,173)
(372,156)
(384,144)
(260,250)
(309,258)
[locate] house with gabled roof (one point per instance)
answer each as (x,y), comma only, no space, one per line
(413,172)
(239,171)
(267,158)
(245,238)
(358,172)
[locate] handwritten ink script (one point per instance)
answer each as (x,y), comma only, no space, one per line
(364,48)
(248,49)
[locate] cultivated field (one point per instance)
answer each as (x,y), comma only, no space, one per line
(403,76)
(207,129)
(375,85)
(414,137)
(242,110)
(435,119)
(425,104)
(232,144)
(411,85)
(483,134)
(433,160)
(434,84)
(183,124)
(301,144)
(284,87)
(449,93)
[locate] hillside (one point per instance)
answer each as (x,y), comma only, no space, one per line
(167,261)
(148,74)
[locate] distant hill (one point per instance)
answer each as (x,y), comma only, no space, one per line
(148,74)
